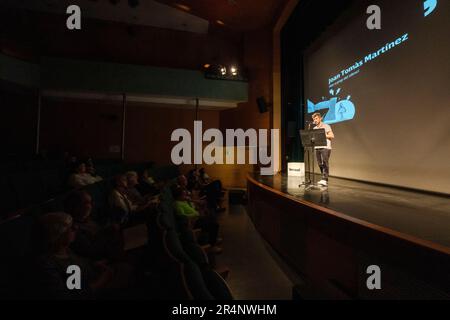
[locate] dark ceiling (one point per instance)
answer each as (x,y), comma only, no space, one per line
(238,15)
(32,32)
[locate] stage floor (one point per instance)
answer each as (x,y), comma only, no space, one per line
(420,215)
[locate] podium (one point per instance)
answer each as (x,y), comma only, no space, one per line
(310,140)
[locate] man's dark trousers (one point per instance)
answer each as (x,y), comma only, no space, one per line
(323,160)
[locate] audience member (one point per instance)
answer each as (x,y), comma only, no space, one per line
(58,233)
(80,177)
(92,240)
(132,192)
(122,208)
(185,210)
(212,190)
(90,168)
(147,185)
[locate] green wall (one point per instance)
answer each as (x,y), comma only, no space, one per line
(19,72)
(83,75)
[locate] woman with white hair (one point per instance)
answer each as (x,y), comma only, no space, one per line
(58,232)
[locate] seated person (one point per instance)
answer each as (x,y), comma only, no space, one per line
(184,210)
(206,181)
(132,192)
(193,180)
(147,185)
(90,168)
(212,189)
(92,240)
(198,202)
(203,176)
(122,207)
(58,234)
(80,177)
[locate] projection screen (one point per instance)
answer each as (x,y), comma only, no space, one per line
(386,93)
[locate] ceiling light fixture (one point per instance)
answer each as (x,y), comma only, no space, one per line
(221,72)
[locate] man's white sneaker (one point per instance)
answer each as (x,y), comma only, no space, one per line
(323,183)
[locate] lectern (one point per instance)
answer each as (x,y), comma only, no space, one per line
(310,140)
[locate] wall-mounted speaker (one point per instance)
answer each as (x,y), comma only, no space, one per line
(262,105)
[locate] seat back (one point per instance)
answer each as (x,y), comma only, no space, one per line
(16,248)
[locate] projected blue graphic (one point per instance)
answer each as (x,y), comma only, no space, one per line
(345,110)
(338,110)
(429,6)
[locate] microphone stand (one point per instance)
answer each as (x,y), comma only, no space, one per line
(308,181)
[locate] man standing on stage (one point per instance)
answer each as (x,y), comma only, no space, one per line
(323,153)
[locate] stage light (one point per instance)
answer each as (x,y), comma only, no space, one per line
(221,72)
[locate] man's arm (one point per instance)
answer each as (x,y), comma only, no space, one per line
(330,134)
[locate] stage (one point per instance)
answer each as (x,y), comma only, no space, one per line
(330,237)
(416,214)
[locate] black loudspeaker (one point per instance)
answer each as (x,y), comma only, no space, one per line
(262,105)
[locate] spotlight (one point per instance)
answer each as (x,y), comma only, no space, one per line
(221,72)
(133,3)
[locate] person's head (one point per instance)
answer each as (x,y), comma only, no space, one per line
(317,118)
(132,179)
(90,162)
(90,169)
(80,167)
(182,180)
(58,231)
(120,182)
(193,174)
(79,205)
(179,193)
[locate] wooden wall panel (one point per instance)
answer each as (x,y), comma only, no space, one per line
(85,129)
(149,130)
(18,121)
(331,253)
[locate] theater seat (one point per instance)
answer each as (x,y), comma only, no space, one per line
(8,203)
(15,257)
(29,188)
(181,238)
(52,182)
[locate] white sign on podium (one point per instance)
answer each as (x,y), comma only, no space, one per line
(296,169)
